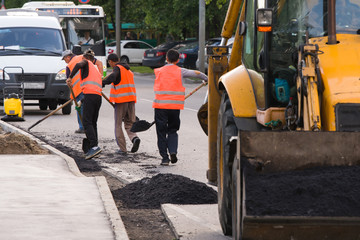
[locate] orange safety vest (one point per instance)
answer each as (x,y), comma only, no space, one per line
(92,84)
(168,88)
(124,91)
(76,79)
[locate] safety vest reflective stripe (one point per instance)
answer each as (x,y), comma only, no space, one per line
(125,91)
(168,88)
(168,101)
(122,86)
(169,92)
(122,94)
(92,84)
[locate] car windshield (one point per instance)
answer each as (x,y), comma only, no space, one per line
(35,40)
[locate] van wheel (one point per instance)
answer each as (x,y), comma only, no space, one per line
(67,109)
(43,104)
(225,157)
(52,104)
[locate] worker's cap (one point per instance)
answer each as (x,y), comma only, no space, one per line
(89,52)
(66,53)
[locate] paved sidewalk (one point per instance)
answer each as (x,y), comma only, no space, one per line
(46,197)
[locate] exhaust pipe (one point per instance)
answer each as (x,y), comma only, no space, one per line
(331,22)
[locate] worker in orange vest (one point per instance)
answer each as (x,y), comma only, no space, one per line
(90,55)
(123,95)
(72,59)
(91,86)
(169,100)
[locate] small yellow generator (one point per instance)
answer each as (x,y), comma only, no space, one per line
(13,93)
(13,108)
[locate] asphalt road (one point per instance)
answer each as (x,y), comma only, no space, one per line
(192,152)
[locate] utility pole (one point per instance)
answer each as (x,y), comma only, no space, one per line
(118,28)
(201,35)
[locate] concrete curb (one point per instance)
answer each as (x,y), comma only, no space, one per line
(111,210)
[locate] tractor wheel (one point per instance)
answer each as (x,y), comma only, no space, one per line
(238,188)
(225,157)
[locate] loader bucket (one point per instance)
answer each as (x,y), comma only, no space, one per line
(285,151)
(298,185)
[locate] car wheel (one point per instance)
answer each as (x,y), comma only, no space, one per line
(53,104)
(124,59)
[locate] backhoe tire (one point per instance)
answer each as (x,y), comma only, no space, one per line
(237,201)
(225,157)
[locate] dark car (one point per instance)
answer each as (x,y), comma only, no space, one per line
(156,57)
(188,54)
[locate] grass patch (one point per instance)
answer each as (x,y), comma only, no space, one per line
(141,69)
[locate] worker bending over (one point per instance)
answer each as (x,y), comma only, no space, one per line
(169,100)
(123,94)
(91,86)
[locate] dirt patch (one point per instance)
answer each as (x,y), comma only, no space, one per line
(325,191)
(14,143)
(165,188)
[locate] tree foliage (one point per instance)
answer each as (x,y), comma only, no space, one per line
(176,17)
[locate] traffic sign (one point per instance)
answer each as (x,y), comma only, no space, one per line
(84,1)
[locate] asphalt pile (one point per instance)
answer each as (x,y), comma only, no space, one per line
(150,193)
(322,191)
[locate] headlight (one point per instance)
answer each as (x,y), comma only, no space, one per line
(7,77)
(61,75)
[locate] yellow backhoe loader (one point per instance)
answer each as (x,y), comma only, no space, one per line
(285,101)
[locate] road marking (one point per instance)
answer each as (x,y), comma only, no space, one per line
(189,109)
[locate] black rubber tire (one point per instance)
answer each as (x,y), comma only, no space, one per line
(43,104)
(237,199)
(124,59)
(225,157)
(53,104)
(67,109)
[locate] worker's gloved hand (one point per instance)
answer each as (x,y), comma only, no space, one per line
(77,108)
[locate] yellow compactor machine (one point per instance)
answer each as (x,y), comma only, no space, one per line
(286,98)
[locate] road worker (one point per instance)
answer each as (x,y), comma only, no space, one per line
(91,86)
(123,94)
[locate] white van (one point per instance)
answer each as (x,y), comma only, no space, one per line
(34,41)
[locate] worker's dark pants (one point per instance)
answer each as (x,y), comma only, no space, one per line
(91,107)
(167,124)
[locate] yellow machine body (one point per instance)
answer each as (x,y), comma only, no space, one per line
(13,107)
(245,120)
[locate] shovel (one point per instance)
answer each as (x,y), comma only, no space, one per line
(143,125)
(50,114)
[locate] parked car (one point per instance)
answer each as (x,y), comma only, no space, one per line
(156,57)
(188,54)
(213,42)
(132,51)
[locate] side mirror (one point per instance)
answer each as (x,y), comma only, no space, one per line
(264,17)
(242,28)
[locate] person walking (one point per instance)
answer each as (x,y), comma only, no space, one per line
(72,59)
(169,100)
(91,86)
(123,95)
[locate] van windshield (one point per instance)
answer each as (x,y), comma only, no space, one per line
(38,41)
